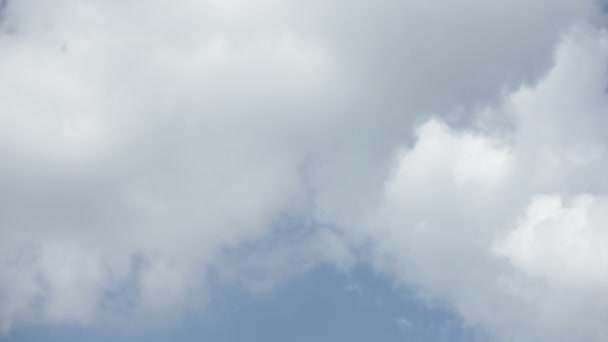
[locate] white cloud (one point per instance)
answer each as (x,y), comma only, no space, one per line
(466,160)
(145,145)
(562,243)
(519,251)
(403,322)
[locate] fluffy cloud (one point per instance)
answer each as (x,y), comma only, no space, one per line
(507,225)
(146,145)
(562,243)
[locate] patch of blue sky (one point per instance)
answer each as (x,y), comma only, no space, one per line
(321,305)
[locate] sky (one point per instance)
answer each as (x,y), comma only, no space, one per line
(229,170)
(322,304)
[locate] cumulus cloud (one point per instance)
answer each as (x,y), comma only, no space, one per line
(145,146)
(508,227)
(563,242)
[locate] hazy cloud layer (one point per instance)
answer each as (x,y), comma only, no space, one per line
(458,146)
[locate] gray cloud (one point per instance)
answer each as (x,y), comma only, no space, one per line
(507,228)
(140,142)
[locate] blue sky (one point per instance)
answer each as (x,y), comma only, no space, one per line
(321,305)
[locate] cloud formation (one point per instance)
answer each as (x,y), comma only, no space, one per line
(144,146)
(507,227)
